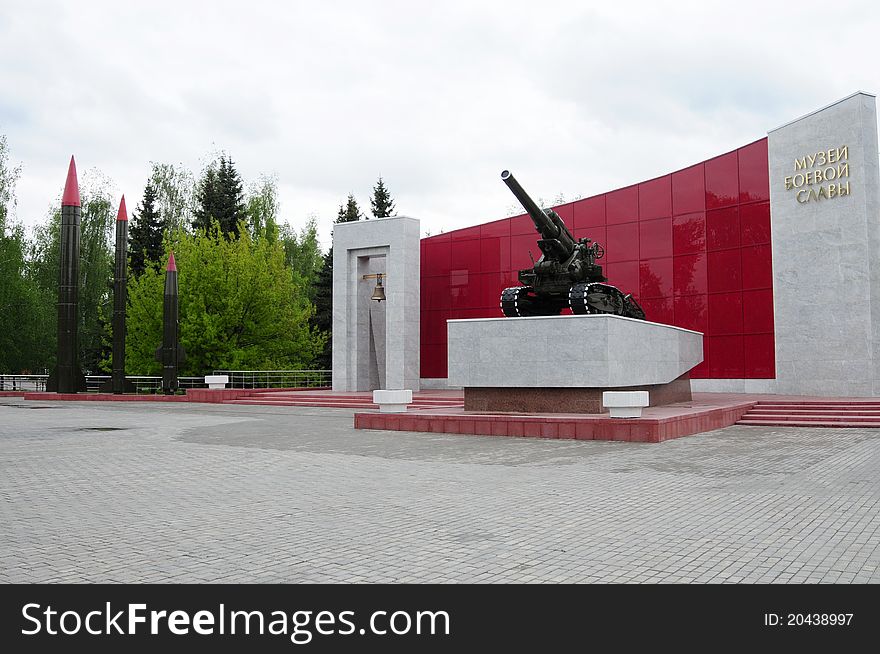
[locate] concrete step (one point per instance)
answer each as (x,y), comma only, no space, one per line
(331,404)
(816,412)
(807,423)
(760,415)
(822,404)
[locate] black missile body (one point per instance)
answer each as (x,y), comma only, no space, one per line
(118,384)
(67,376)
(171,353)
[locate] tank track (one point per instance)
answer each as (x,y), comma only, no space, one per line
(595,297)
(515,302)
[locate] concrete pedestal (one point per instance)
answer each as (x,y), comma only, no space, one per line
(562,364)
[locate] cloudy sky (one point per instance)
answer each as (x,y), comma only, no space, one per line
(575,98)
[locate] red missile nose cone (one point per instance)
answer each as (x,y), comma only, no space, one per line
(123,214)
(71,187)
(172,267)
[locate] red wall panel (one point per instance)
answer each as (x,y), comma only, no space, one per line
(693,247)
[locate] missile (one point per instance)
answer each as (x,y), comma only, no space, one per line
(67,376)
(118,384)
(171,353)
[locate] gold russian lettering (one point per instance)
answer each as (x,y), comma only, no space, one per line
(822,193)
(829,173)
(832,190)
(800,164)
(813,194)
(820,158)
(832,155)
(843,190)
(812,159)
(843,153)
(843,170)
(800,196)
(797,183)
(788,184)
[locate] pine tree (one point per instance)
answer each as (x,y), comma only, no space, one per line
(381,203)
(220,197)
(350,211)
(145,233)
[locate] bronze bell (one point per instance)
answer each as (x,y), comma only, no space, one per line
(379,291)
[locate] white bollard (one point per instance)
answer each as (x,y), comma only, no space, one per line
(392,401)
(625,404)
(216,381)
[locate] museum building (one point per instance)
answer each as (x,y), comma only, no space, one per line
(772,251)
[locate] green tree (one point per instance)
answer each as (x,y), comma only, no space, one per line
(240,307)
(302,252)
(220,197)
(349,211)
(145,234)
(381,204)
(322,321)
(262,208)
(20,308)
(175,194)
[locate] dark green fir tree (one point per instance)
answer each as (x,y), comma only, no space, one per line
(145,233)
(381,203)
(220,197)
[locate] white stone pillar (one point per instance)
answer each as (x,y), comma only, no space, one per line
(375,343)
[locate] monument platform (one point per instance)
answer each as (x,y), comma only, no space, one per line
(547,364)
(705,412)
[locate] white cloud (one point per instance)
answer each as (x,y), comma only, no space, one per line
(576,98)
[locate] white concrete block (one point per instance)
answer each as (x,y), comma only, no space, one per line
(625,404)
(625,398)
(392,401)
(216,381)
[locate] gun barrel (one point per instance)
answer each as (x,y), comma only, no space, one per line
(542,222)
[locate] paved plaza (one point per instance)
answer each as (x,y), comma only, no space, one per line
(149,492)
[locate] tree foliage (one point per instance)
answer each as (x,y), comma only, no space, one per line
(220,198)
(20,310)
(175,194)
(240,308)
(381,204)
(145,233)
(349,211)
(262,208)
(322,321)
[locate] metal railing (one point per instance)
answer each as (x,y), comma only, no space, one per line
(27,383)
(144,384)
(277,378)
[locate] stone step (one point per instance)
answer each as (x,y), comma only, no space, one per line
(756,415)
(812,412)
(824,403)
(807,423)
(331,404)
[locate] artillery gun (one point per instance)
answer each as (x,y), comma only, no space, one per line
(566,275)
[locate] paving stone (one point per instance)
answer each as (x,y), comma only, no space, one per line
(216,493)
